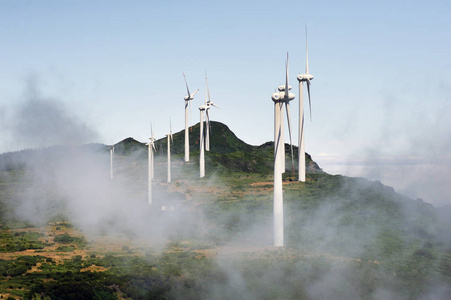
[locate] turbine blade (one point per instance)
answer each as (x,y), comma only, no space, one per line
(287,91)
(206,87)
(309,102)
(287,106)
(276,142)
(209,128)
(187,89)
(306,52)
(208,94)
(212,104)
(194,93)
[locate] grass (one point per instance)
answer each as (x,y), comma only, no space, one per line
(357,238)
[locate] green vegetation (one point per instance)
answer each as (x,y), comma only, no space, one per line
(20,241)
(68,239)
(346,238)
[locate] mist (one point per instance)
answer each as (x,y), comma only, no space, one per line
(35,121)
(67,178)
(331,242)
(408,145)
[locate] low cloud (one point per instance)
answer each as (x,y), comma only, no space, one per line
(39,121)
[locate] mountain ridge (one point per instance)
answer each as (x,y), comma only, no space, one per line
(223,142)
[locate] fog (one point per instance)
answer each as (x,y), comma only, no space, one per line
(331,245)
(407,146)
(73,179)
(36,121)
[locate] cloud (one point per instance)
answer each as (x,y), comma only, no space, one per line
(38,121)
(409,148)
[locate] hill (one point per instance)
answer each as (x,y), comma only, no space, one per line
(227,151)
(64,222)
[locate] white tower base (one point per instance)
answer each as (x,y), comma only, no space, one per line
(301,140)
(278,192)
(150,174)
(169,158)
(186,133)
(202,147)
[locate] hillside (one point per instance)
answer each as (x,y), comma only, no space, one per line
(227,151)
(64,222)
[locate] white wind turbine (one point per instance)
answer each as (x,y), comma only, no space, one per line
(202,108)
(111,160)
(282,97)
(151,148)
(286,99)
(170,139)
(301,139)
(187,103)
(208,105)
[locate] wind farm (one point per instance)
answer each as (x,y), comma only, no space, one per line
(347,198)
(203,197)
(227,216)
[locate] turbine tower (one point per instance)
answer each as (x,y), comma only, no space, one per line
(301,139)
(170,139)
(281,88)
(202,108)
(187,103)
(208,105)
(280,98)
(151,148)
(111,161)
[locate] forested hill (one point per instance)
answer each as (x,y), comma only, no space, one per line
(227,151)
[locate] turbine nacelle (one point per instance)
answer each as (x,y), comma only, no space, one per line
(281,88)
(276,97)
(287,97)
(203,107)
(190,96)
(305,77)
(151,144)
(280,97)
(210,104)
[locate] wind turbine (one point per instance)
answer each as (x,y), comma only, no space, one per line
(208,105)
(151,149)
(187,103)
(282,97)
(287,97)
(202,108)
(170,139)
(301,139)
(111,161)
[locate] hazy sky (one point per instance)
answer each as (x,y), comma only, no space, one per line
(380,97)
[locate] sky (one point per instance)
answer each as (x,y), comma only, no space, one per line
(101,71)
